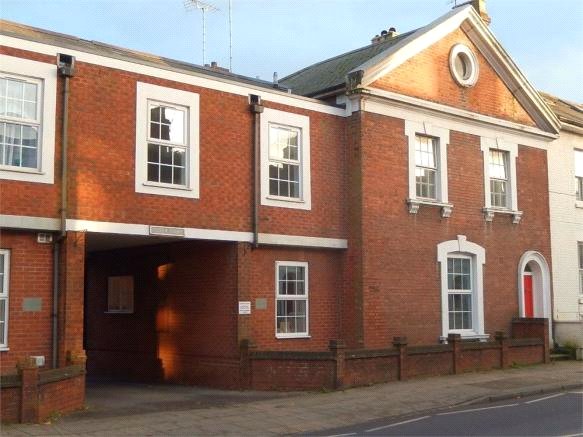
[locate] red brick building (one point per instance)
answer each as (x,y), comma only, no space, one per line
(180,223)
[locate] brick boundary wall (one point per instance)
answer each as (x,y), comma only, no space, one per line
(34,395)
(341,368)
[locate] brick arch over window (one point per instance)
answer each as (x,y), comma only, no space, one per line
(475,255)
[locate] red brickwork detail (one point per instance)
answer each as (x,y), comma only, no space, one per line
(71,296)
(428,77)
(292,374)
(10,404)
(29,333)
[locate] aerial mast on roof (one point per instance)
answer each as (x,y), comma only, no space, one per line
(207,7)
(204,7)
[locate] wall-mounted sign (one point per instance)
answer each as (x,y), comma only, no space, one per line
(167,231)
(244,307)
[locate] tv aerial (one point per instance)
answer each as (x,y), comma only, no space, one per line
(205,7)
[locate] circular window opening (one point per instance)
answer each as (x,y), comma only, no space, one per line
(463,65)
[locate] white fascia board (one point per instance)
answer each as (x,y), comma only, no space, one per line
(396,55)
(410,108)
(206,234)
(29,222)
(169,73)
(297,240)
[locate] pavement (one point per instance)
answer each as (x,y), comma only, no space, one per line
(195,411)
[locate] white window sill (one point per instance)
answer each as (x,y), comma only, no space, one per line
(21,170)
(285,202)
(291,336)
(414,204)
(166,186)
(489,213)
(4,349)
(578,203)
(118,312)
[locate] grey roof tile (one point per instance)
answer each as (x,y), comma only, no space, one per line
(332,72)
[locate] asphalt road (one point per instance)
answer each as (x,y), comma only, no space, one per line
(559,414)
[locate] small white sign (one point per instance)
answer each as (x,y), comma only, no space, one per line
(244,307)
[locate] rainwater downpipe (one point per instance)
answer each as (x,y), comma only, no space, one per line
(256,108)
(65,69)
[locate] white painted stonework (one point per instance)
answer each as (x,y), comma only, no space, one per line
(566,230)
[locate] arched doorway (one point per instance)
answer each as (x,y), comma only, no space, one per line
(534,286)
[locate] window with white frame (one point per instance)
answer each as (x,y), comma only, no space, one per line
(580,246)
(462,288)
(426,167)
(27,119)
(498,165)
(4,288)
(459,292)
(291,291)
(579,174)
(500,185)
(167,141)
(19,122)
(427,152)
(120,294)
(285,159)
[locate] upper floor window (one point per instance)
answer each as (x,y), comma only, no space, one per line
(167,144)
(500,187)
(579,174)
(19,122)
(4,286)
(167,141)
(27,119)
(285,159)
(499,178)
(427,166)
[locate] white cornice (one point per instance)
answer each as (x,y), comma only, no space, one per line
(406,107)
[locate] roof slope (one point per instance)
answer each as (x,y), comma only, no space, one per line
(332,72)
(22,31)
(567,112)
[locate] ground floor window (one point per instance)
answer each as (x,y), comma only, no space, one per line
(291,291)
(462,286)
(4,285)
(120,294)
(460,296)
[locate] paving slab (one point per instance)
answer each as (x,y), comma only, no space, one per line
(141,410)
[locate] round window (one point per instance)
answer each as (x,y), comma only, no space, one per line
(463,65)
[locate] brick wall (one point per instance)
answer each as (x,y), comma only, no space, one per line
(29,332)
(400,272)
(427,76)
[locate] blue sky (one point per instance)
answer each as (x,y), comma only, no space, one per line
(545,37)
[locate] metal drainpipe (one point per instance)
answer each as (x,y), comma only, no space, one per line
(66,69)
(256,108)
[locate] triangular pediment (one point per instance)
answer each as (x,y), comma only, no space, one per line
(419,66)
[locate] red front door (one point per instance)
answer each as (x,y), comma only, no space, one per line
(528,302)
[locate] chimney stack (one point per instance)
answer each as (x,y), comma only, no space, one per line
(480,7)
(385,35)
